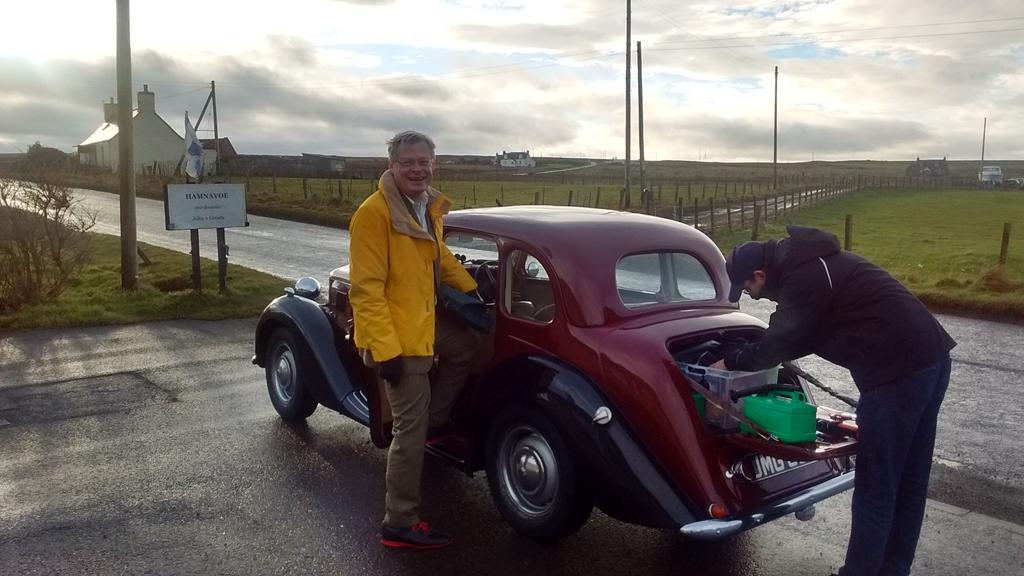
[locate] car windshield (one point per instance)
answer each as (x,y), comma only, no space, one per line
(472,248)
(659,277)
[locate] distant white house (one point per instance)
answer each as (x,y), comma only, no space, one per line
(514,160)
(157,147)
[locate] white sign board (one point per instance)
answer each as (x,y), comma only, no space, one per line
(194,206)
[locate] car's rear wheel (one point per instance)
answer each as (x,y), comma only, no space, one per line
(533,477)
(290,370)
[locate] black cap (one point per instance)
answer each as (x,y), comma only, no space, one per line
(744,260)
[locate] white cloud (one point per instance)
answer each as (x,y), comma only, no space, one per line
(867,78)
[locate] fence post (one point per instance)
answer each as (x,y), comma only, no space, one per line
(743,214)
(1005,248)
(679,208)
(712,229)
(848,238)
(536,198)
(757,221)
(696,217)
(569,204)
(597,200)
(777,206)
(728,212)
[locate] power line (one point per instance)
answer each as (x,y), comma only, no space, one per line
(873,29)
(799,42)
(663,13)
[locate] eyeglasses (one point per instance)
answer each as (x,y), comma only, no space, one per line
(409,163)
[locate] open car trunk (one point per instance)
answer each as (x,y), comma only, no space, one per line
(724,398)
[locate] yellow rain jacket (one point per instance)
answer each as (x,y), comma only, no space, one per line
(392,272)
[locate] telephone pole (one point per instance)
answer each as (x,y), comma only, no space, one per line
(640,116)
(629,59)
(216,130)
(984,128)
(775,153)
(125,156)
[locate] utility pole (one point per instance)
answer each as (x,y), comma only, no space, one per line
(775,153)
(216,132)
(984,128)
(629,59)
(125,155)
(640,116)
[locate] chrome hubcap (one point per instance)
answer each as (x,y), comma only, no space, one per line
(284,373)
(529,472)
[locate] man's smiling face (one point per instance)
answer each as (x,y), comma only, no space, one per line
(413,168)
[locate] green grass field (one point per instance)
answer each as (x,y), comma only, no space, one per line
(164,292)
(942,244)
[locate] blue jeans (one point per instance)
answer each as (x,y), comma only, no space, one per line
(896,438)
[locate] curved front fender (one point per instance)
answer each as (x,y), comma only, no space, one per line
(307,320)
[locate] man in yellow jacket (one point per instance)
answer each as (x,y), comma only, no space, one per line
(398,258)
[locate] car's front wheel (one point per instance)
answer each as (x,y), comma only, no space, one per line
(532,476)
(289,369)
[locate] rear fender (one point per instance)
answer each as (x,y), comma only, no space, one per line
(308,321)
(627,483)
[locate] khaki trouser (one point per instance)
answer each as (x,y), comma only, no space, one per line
(417,405)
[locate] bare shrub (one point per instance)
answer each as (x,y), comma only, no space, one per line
(43,241)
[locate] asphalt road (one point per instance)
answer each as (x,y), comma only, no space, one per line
(152,449)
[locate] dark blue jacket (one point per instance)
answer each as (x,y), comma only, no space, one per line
(838,305)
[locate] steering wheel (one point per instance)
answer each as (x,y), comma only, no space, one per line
(486,281)
(544,313)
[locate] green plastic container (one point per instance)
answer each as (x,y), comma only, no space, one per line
(787,415)
(700,402)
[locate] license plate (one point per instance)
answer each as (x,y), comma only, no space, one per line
(768,466)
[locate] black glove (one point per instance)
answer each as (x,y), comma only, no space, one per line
(391,370)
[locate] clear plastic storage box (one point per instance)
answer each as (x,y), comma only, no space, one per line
(720,384)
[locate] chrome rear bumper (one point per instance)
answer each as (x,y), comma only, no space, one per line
(715,529)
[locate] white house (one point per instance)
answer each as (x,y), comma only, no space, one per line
(514,160)
(157,146)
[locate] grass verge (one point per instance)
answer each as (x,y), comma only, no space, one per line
(164,292)
(942,244)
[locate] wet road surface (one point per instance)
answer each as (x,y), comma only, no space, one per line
(152,449)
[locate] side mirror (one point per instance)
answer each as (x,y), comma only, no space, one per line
(533,269)
(307,287)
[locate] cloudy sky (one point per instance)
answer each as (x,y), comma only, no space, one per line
(868,79)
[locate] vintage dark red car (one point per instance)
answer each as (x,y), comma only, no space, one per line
(578,398)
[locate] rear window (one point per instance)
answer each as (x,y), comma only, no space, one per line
(660,277)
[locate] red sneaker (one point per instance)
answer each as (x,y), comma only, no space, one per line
(418,536)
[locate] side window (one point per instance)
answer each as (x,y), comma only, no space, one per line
(692,279)
(529,295)
(638,279)
(661,277)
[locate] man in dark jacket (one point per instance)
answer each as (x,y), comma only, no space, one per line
(838,305)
